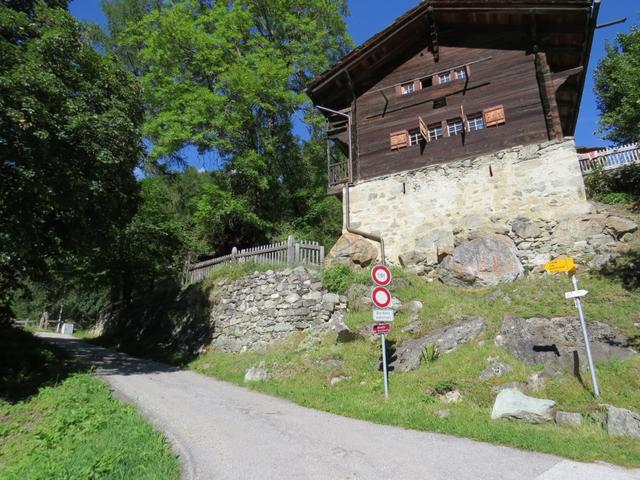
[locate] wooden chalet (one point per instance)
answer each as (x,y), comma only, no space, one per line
(451,79)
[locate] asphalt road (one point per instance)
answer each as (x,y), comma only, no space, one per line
(222,431)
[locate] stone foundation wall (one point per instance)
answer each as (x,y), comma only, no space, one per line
(260,309)
(535,194)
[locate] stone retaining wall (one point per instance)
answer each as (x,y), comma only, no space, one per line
(537,185)
(260,309)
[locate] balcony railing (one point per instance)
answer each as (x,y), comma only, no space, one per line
(611,158)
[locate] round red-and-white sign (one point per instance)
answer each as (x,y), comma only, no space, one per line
(381,297)
(381,275)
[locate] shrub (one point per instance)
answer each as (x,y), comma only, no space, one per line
(444,386)
(337,278)
(430,353)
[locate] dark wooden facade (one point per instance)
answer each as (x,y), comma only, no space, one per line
(526,60)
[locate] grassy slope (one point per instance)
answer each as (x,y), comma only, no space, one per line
(300,375)
(71,428)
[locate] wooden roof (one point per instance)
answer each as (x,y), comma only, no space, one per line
(563,29)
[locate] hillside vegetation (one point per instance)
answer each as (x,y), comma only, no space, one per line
(302,370)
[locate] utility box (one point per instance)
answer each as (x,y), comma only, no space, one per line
(67,329)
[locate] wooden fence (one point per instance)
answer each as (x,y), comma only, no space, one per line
(611,158)
(291,252)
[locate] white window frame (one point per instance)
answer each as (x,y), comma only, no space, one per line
(458,127)
(460,73)
(444,77)
(407,88)
(475,122)
(415,137)
(433,131)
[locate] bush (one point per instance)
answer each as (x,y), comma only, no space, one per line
(430,353)
(337,278)
(615,186)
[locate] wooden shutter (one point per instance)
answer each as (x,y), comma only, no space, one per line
(399,139)
(424,130)
(398,89)
(417,85)
(494,116)
(463,117)
(467,70)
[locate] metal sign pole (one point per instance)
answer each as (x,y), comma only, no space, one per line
(585,333)
(384,367)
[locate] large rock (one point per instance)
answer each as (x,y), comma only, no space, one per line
(618,226)
(512,404)
(558,343)
(486,261)
(256,374)
(352,250)
(524,228)
(621,422)
(446,339)
(578,229)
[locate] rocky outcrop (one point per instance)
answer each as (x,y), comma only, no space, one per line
(621,422)
(352,250)
(255,311)
(486,261)
(447,339)
(558,343)
(512,404)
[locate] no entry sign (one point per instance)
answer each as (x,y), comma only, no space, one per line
(381,328)
(381,297)
(381,275)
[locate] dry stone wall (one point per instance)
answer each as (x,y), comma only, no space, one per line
(261,309)
(533,194)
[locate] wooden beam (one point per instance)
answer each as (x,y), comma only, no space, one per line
(558,79)
(548,97)
(433,35)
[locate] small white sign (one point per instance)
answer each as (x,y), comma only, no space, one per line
(575,294)
(382,315)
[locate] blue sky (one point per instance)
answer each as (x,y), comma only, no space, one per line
(370,16)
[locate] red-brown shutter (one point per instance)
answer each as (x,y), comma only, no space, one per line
(494,116)
(417,85)
(398,90)
(467,69)
(399,139)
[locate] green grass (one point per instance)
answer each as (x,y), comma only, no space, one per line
(57,423)
(300,375)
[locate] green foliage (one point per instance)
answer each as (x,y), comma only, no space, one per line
(444,386)
(339,277)
(621,185)
(70,126)
(76,430)
(618,89)
(430,353)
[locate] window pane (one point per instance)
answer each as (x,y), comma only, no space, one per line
(455,127)
(445,77)
(435,131)
(415,137)
(460,74)
(476,122)
(407,88)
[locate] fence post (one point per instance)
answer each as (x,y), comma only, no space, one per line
(291,254)
(234,252)
(296,253)
(321,255)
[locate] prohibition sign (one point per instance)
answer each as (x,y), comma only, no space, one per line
(381,297)
(381,275)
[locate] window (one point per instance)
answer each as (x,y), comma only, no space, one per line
(476,122)
(406,88)
(435,131)
(455,127)
(440,102)
(415,137)
(460,73)
(427,82)
(445,77)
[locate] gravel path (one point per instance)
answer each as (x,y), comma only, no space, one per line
(222,431)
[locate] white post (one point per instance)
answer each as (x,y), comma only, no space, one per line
(585,333)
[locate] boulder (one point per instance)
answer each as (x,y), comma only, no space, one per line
(621,422)
(352,250)
(618,226)
(418,258)
(486,261)
(569,419)
(447,339)
(453,396)
(557,342)
(415,306)
(524,228)
(256,375)
(343,333)
(577,229)
(512,404)
(496,369)
(440,242)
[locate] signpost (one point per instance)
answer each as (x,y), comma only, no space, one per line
(381,275)
(381,297)
(568,265)
(381,328)
(385,315)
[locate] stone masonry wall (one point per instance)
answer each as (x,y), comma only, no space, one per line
(525,192)
(255,311)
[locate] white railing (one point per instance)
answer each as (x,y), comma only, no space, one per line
(611,158)
(291,252)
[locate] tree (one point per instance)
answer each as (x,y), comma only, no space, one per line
(70,138)
(618,89)
(228,78)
